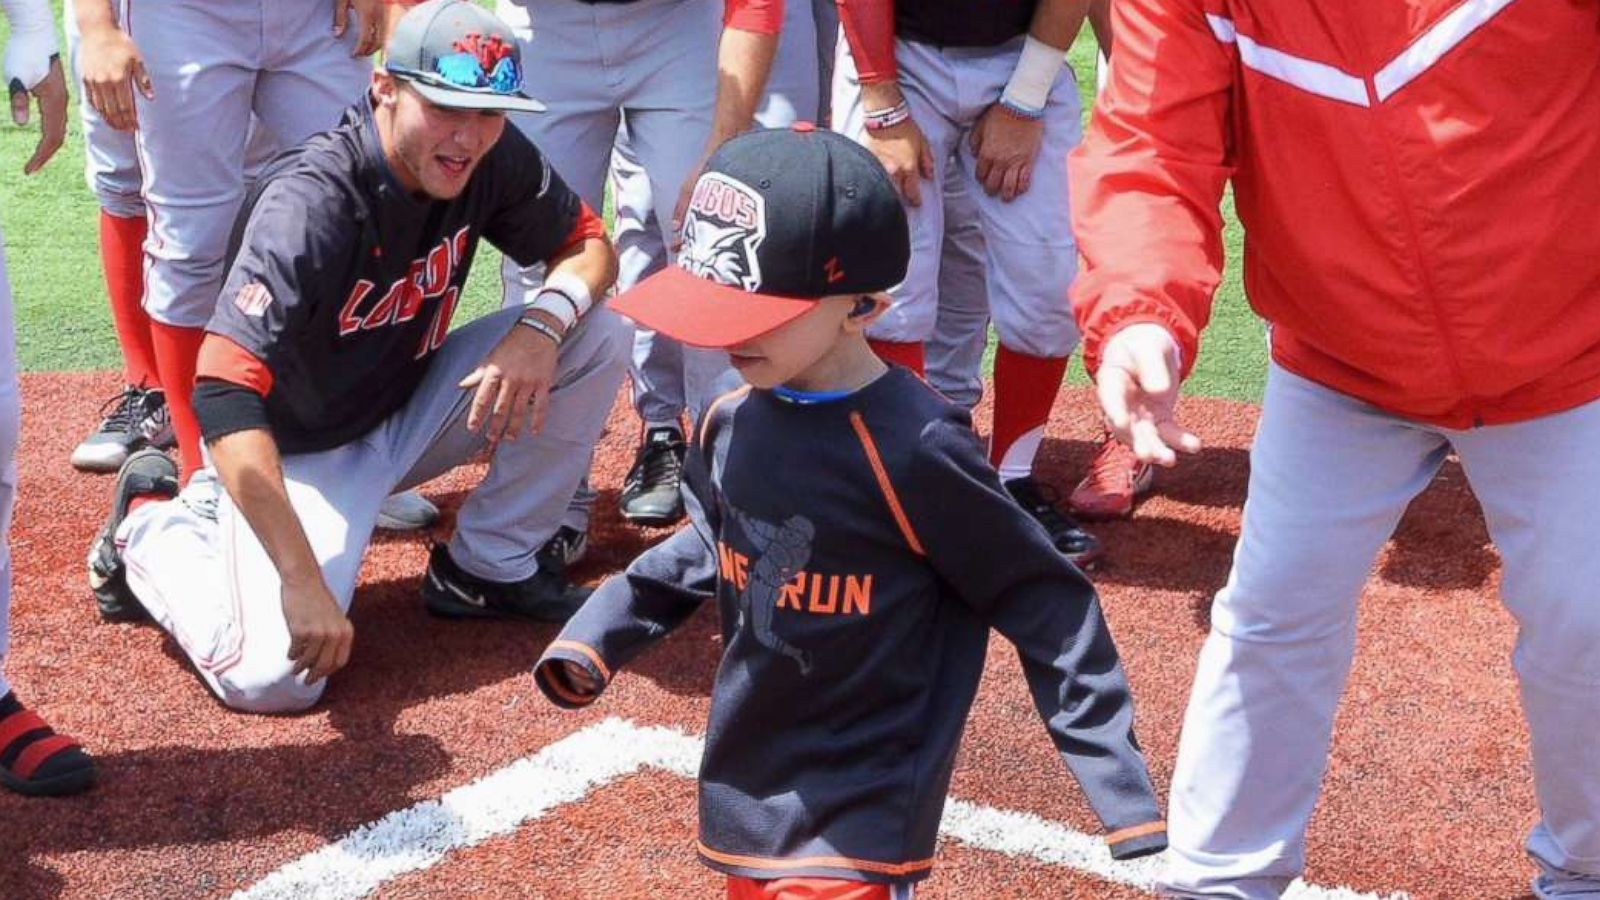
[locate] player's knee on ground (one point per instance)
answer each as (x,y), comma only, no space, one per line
(267,690)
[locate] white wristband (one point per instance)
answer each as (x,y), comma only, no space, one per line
(33,41)
(1036,71)
(565,296)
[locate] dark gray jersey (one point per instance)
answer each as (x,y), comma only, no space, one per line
(344,284)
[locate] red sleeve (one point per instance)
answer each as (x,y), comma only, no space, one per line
(588,226)
(1147,182)
(223,359)
(869,27)
(759,16)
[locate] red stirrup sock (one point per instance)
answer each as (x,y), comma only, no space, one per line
(901,353)
(1025,389)
(177,353)
(122,258)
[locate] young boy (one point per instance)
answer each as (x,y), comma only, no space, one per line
(860,548)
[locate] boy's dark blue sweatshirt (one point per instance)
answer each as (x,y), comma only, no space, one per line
(860,550)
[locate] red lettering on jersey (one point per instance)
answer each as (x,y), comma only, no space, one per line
(438,270)
(348,320)
(433,339)
(427,278)
(407,292)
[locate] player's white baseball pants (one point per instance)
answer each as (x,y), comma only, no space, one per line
(110,166)
(212,65)
(1030,254)
(10,430)
(670,379)
(954,353)
(652,62)
(209,582)
(1329,479)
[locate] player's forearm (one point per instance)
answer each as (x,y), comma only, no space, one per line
(94,16)
(1057,22)
(869,31)
(744,65)
(591,261)
(251,469)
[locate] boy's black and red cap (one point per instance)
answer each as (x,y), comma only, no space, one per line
(778,220)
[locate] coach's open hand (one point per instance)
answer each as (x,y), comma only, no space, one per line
(320,634)
(1138,388)
(513,384)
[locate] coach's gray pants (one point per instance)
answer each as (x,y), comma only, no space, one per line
(1329,478)
(209,581)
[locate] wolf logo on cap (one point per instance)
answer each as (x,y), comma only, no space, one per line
(725,226)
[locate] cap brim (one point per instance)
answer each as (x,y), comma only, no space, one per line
(462,99)
(704,313)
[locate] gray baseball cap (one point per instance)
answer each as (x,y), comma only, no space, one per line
(459,55)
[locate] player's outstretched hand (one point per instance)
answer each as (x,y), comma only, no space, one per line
(1006,146)
(320,634)
(112,68)
(1138,388)
(51,92)
(512,384)
(368,15)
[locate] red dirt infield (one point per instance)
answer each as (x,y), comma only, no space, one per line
(1429,791)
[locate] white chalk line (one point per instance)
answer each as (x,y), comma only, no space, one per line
(420,836)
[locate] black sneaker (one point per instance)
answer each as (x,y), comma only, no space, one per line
(544,596)
(563,550)
(1069,537)
(148,472)
(137,418)
(650,493)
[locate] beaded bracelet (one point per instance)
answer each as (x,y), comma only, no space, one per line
(880,119)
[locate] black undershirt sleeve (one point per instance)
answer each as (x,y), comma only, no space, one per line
(224,408)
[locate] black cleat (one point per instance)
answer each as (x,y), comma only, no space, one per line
(137,418)
(650,493)
(563,551)
(1069,537)
(544,596)
(147,473)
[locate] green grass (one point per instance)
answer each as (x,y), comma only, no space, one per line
(64,323)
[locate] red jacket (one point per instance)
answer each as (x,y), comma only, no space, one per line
(1418,180)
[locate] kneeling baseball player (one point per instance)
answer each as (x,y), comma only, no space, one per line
(860,548)
(329,379)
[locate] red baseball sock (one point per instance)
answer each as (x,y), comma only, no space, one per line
(903,353)
(177,353)
(1025,389)
(122,258)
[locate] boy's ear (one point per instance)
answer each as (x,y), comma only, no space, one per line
(868,309)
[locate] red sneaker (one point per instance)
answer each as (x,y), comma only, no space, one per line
(1115,480)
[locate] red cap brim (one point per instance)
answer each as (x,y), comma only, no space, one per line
(704,313)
